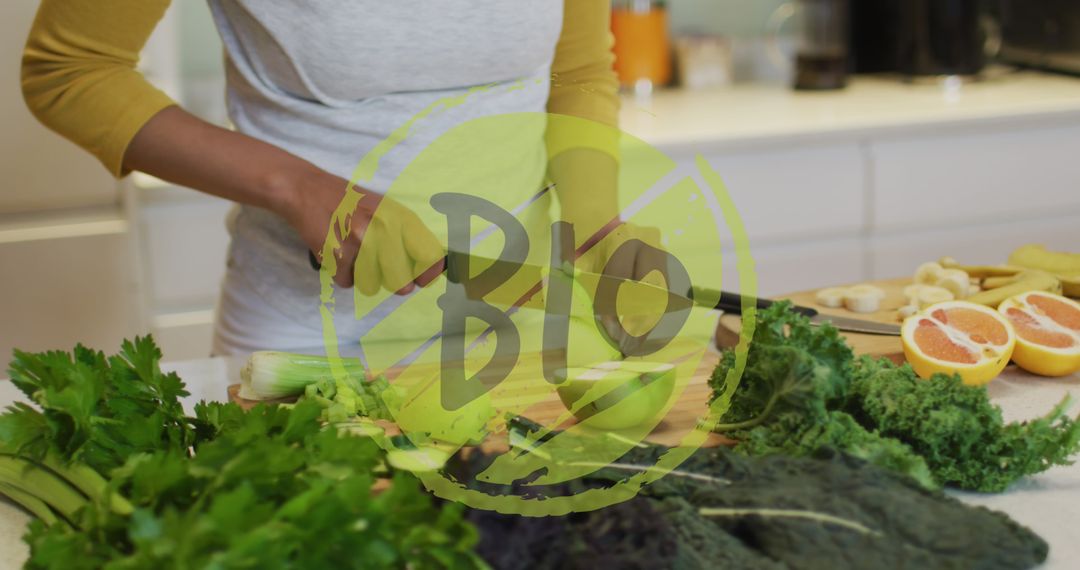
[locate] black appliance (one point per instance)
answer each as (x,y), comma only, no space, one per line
(1041,33)
(919,37)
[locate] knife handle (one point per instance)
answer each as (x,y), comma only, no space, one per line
(733,302)
(451,266)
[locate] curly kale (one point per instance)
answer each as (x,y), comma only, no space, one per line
(803,390)
(792,368)
(956,428)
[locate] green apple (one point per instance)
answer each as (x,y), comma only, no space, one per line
(585,342)
(617,394)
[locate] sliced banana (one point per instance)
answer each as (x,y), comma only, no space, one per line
(832,297)
(929,273)
(907,311)
(911,292)
(956,281)
(932,295)
(863,299)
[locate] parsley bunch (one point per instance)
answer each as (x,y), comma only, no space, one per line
(120,477)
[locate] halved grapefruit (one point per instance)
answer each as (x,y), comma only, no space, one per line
(957,337)
(1047,332)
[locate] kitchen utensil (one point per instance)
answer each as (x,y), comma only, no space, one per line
(457,265)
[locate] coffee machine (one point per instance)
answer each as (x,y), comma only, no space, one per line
(920,38)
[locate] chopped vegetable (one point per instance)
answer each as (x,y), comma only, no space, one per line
(274,375)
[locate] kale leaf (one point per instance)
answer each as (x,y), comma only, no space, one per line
(721,509)
(956,428)
(802,390)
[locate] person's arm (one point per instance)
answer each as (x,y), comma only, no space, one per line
(584,85)
(79,79)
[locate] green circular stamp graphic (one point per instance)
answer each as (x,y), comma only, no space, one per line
(573,315)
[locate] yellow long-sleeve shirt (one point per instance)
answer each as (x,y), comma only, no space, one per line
(79,73)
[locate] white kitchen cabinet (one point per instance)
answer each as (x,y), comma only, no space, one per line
(801,192)
(788,267)
(897,255)
(984,173)
(67,283)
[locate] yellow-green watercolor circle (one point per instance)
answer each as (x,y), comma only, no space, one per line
(571,132)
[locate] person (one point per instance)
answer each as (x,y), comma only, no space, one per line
(311,87)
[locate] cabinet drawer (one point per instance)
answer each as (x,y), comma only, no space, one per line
(898,255)
(793,192)
(976,176)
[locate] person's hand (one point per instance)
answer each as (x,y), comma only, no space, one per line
(634,253)
(398,251)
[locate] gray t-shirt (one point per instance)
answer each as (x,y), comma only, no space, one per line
(328,80)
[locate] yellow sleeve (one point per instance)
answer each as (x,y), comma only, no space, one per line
(79,76)
(583,156)
(583,82)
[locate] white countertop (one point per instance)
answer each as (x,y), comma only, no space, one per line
(754,114)
(1048,503)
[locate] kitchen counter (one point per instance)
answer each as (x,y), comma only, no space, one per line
(751,115)
(1048,503)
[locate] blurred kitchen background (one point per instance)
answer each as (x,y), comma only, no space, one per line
(858,138)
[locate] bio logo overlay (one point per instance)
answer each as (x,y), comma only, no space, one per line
(573,313)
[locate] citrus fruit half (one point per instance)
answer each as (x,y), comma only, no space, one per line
(1047,332)
(958,337)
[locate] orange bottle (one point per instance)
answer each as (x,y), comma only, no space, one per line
(642,46)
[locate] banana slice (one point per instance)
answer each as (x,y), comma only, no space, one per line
(911,292)
(863,299)
(956,281)
(832,297)
(907,311)
(932,295)
(929,273)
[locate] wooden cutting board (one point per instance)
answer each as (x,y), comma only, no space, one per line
(874,345)
(690,407)
(692,404)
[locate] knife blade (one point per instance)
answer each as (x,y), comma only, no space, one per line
(531,278)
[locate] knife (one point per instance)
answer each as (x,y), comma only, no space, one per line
(727,302)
